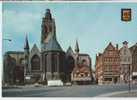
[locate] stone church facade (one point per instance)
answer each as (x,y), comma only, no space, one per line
(48,63)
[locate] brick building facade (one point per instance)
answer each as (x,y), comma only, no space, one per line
(108,65)
(117,65)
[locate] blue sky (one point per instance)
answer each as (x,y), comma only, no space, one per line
(93,24)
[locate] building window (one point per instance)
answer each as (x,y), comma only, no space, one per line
(82,75)
(110,53)
(56,58)
(108,68)
(109,59)
(35,62)
(46,67)
(22,61)
(70,63)
(84,62)
(124,51)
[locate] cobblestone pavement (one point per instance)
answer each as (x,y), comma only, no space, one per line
(126,94)
(70,91)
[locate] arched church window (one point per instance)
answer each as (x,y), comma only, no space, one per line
(54,63)
(22,61)
(55,58)
(35,62)
(71,62)
(45,62)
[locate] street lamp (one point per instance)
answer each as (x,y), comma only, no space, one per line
(7,40)
(129,85)
(126,15)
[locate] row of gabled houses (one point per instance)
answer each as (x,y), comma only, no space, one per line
(117,65)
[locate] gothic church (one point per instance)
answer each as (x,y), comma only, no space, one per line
(49,63)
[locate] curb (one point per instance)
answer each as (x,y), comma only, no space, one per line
(114,93)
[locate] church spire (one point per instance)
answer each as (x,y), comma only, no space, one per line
(48,14)
(26,56)
(26,46)
(77,47)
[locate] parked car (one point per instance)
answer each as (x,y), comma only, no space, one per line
(55,83)
(68,84)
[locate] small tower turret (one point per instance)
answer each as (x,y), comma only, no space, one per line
(26,56)
(77,47)
(77,53)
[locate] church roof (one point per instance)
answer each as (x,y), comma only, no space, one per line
(34,48)
(110,47)
(52,45)
(15,52)
(133,48)
(69,51)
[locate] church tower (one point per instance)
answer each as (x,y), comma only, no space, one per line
(53,57)
(26,57)
(48,27)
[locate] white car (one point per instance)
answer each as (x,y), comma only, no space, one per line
(37,85)
(68,84)
(55,83)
